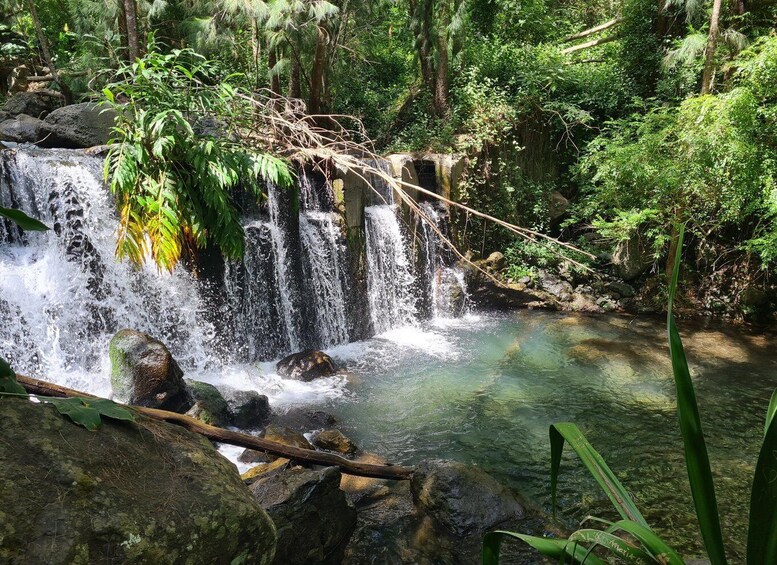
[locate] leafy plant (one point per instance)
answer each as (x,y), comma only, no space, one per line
(642,545)
(86,412)
(23,220)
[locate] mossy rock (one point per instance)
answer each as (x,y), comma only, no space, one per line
(210,406)
(143,492)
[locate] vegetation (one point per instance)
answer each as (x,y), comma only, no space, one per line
(631,539)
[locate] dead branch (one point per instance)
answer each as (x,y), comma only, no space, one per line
(394,472)
(588,44)
(592,30)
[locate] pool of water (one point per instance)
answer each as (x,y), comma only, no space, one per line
(484,389)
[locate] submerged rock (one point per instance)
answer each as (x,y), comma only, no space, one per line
(310,512)
(143,492)
(248,409)
(334,440)
(306,366)
(462,498)
(209,405)
(144,373)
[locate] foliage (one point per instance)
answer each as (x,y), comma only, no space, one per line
(648,547)
(177,158)
(23,220)
(86,412)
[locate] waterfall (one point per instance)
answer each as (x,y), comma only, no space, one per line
(63,293)
(389,274)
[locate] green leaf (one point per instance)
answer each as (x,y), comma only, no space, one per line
(619,547)
(762,531)
(657,547)
(23,220)
(595,464)
(87,412)
(696,458)
(8,383)
(555,548)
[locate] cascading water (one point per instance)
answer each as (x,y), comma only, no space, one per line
(63,293)
(389,273)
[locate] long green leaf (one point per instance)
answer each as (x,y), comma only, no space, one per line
(657,547)
(696,458)
(555,548)
(762,532)
(8,382)
(23,220)
(595,464)
(619,547)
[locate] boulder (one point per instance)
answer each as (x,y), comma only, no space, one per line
(558,205)
(463,499)
(306,366)
(302,419)
(78,126)
(286,436)
(253,456)
(334,440)
(494,262)
(248,409)
(311,515)
(22,129)
(209,405)
(561,289)
(144,373)
(37,104)
(630,258)
(265,470)
(621,289)
(142,492)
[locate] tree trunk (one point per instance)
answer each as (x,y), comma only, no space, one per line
(295,83)
(130,10)
(44,47)
(317,73)
(275,79)
(442,107)
(709,50)
(255,49)
(395,472)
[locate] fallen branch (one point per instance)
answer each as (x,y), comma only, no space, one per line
(588,44)
(394,472)
(592,30)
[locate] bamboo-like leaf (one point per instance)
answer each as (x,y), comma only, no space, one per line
(762,531)
(657,547)
(23,220)
(560,549)
(617,546)
(595,464)
(696,458)
(8,383)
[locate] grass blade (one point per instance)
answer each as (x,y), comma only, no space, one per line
(596,465)
(628,552)
(696,458)
(23,220)
(660,551)
(762,532)
(556,548)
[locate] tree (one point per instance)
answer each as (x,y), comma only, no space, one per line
(709,50)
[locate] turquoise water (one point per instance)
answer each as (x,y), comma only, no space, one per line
(484,389)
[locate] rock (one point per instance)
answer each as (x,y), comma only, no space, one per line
(558,205)
(494,262)
(334,440)
(79,125)
(304,420)
(306,366)
(249,410)
(621,289)
(310,512)
(209,405)
(462,498)
(364,490)
(630,259)
(560,289)
(265,470)
(37,104)
(286,436)
(144,373)
(22,129)
(253,456)
(143,492)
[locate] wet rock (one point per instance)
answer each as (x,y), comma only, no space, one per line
(22,129)
(304,420)
(249,410)
(264,470)
(631,258)
(306,366)
(78,126)
(37,104)
(463,499)
(144,373)
(334,440)
(561,289)
(143,492)
(310,512)
(286,436)
(209,405)
(253,456)
(364,490)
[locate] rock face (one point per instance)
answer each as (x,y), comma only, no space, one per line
(78,126)
(310,512)
(306,366)
(22,129)
(249,410)
(209,405)
(335,440)
(37,104)
(144,373)
(463,499)
(143,492)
